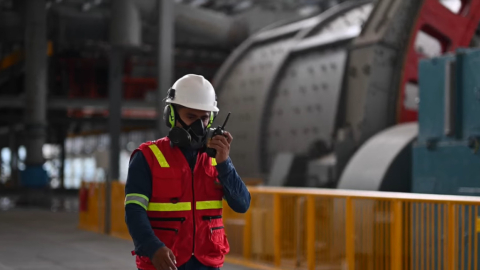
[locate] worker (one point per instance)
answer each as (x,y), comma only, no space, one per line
(174,190)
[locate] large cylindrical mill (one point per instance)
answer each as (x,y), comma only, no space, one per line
(306,96)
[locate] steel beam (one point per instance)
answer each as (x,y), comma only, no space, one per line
(164,58)
(12,102)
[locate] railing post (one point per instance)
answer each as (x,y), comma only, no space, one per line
(350,233)
(311,232)
(277,233)
(397,236)
(247,235)
(299,218)
(452,250)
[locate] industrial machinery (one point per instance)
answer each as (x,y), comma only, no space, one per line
(86,39)
(314,101)
(331,101)
(446,152)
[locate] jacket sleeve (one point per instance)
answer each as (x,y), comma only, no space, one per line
(138,191)
(235,191)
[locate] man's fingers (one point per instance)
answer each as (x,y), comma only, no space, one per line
(170,263)
(221,140)
(215,146)
(218,145)
(229,136)
(163,266)
(213,142)
(172,257)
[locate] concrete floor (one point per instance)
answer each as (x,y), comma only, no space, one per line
(34,239)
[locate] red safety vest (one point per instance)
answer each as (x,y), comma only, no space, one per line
(185,209)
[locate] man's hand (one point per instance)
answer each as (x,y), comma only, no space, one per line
(163,259)
(222,145)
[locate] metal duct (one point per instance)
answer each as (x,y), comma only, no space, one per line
(216,27)
(210,26)
(125,24)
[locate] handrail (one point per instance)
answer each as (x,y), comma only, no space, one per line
(431,198)
(307,228)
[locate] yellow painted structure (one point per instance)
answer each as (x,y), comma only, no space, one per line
(94,218)
(295,228)
(19,55)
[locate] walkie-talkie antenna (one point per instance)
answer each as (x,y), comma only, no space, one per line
(226,120)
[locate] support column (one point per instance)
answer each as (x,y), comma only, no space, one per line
(63,154)
(115,113)
(12,141)
(125,34)
(165,59)
(115,109)
(36,92)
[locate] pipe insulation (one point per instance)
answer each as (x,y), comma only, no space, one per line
(213,26)
(125,24)
(35,80)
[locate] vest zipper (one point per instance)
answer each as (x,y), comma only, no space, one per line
(165,229)
(193,207)
(209,218)
(181,219)
(216,228)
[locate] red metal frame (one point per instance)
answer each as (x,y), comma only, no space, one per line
(451,29)
(81,74)
(83,83)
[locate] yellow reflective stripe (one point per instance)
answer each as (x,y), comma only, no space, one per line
(137,195)
(158,154)
(165,207)
(204,205)
(136,198)
(211,120)
(214,162)
(135,202)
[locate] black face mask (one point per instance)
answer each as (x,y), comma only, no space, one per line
(189,136)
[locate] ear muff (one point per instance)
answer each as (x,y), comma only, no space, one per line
(169,116)
(212,118)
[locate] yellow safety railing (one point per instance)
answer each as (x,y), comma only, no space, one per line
(294,228)
(93,217)
(333,229)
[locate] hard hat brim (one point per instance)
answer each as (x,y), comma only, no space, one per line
(196,106)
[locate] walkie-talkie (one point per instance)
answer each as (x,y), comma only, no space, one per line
(212,132)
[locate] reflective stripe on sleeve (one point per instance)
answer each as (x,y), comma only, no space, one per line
(136,198)
(158,154)
(165,207)
(204,205)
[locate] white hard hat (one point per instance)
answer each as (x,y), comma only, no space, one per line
(195,92)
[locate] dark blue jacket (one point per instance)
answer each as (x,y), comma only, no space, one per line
(139,180)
